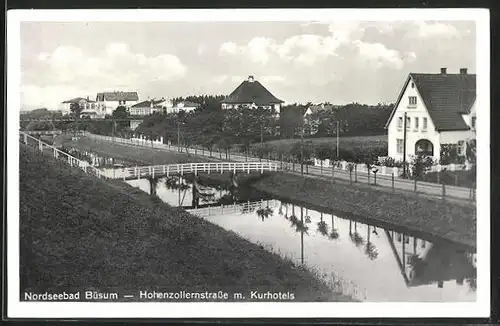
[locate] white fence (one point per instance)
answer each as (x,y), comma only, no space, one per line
(385,170)
(43,132)
(71,160)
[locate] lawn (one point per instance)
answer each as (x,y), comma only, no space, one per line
(133,154)
(78,233)
(346,142)
(449,221)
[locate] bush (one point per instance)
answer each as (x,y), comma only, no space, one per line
(420,165)
(449,155)
(391,162)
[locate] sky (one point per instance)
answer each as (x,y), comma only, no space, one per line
(299,62)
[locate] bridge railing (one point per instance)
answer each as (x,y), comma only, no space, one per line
(170,169)
(58,154)
(233,208)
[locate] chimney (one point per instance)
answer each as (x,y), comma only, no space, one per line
(443,71)
(250,79)
(463,71)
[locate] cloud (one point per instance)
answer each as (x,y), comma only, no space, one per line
(379,55)
(116,67)
(433,29)
(309,50)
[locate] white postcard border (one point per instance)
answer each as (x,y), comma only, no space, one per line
(480,308)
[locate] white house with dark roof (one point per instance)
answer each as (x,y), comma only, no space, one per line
(109,101)
(89,106)
(148,107)
(186,106)
(440,109)
(251,93)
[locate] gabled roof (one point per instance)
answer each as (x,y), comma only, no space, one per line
(321,107)
(251,91)
(117,96)
(446,97)
(77,100)
(148,103)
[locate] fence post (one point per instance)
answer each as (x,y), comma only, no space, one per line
(392,179)
(415,185)
(456,180)
(355,172)
(443,190)
(25,139)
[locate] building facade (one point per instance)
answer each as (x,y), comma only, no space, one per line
(109,101)
(89,107)
(251,93)
(439,108)
(148,107)
(186,106)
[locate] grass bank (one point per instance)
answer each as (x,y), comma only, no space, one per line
(79,233)
(449,221)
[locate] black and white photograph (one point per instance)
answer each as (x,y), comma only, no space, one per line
(248,163)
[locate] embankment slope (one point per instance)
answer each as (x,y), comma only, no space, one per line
(79,233)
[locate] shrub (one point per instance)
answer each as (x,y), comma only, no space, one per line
(449,155)
(420,165)
(391,162)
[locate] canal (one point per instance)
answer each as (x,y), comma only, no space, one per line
(367,261)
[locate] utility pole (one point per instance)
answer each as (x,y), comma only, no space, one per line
(302,151)
(261,142)
(404,146)
(178,136)
(338,125)
(113,129)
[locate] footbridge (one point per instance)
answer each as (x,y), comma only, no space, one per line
(159,171)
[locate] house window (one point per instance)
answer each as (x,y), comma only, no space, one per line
(416,122)
(408,122)
(400,122)
(424,124)
(399,144)
(412,100)
(460,147)
(473,122)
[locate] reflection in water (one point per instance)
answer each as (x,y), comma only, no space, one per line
(388,265)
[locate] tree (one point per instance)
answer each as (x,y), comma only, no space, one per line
(322,153)
(121,113)
(420,165)
(76,109)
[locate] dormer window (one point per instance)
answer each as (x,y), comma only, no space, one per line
(412,85)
